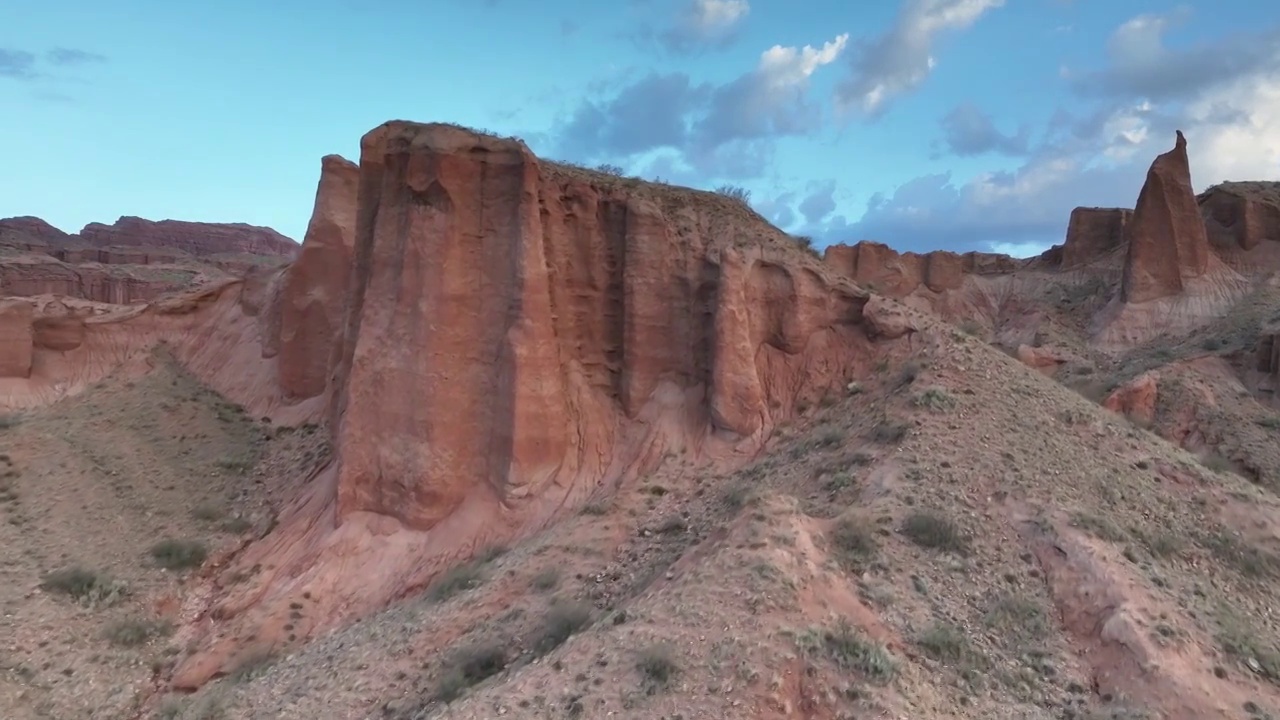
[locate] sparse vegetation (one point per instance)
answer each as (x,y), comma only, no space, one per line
(944,642)
(469,667)
(1018,617)
(854,542)
(932,530)
(9,421)
(252,667)
(734,192)
(133,632)
(849,649)
(546,580)
(658,667)
(609,169)
(562,621)
(1247,558)
(172,554)
(909,373)
(85,586)
(1100,527)
(936,399)
(456,580)
(889,432)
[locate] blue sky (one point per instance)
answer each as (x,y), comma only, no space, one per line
(960,124)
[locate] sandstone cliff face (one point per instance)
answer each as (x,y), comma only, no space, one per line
(16,336)
(1241,214)
(1092,233)
(506,316)
(1168,243)
(31,230)
(313,293)
(90,282)
(887,271)
(192,237)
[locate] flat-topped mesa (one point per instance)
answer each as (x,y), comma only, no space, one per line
(507,314)
(1167,239)
(885,270)
(197,238)
(1241,214)
(1092,233)
(313,290)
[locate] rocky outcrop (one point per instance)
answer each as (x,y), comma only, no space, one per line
(1092,233)
(314,288)
(31,231)
(883,269)
(519,312)
(1135,399)
(517,337)
(195,238)
(16,338)
(1241,214)
(1167,240)
(98,283)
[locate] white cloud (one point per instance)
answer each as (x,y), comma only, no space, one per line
(902,58)
(710,17)
(705,23)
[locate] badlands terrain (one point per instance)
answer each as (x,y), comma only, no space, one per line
(510,438)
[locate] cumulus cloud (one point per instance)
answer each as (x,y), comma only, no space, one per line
(1098,153)
(718,130)
(1140,63)
(967,130)
(902,58)
(704,23)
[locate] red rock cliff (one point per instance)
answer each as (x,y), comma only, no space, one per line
(518,337)
(192,237)
(1167,239)
(1092,233)
(314,289)
(1241,214)
(500,304)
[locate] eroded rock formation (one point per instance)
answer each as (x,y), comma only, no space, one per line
(313,292)
(1241,214)
(195,238)
(1092,233)
(1168,243)
(15,338)
(885,270)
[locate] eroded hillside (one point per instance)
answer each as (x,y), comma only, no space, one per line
(529,440)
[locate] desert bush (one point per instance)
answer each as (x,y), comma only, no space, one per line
(132,632)
(546,579)
(658,667)
(854,542)
(1016,614)
(850,650)
(932,530)
(889,432)
(734,192)
(562,621)
(945,642)
(172,554)
(909,372)
(609,169)
(454,581)
(85,586)
(936,399)
(469,667)
(9,421)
